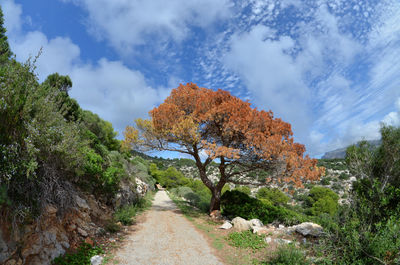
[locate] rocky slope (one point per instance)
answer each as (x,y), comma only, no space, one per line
(54,232)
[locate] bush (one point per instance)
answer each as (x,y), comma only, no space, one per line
(80,257)
(326,181)
(289,255)
(324,205)
(243,189)
(246,239)
(274,195)
(344,176)
(322,200)
(235,203)
(125,214)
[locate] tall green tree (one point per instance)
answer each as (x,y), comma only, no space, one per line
(5,51)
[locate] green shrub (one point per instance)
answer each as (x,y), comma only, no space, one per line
(344,176)
(273,195)
(322,200)
(326,181)
(80,257)
(324,205)
(125,214)
(243,189)
(246,239)
(235,203)
(289,255)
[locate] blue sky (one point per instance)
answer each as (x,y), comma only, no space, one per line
(330,68)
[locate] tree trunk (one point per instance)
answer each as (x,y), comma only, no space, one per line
(215,203)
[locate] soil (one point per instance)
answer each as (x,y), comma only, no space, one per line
(165,237)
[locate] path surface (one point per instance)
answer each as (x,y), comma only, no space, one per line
(166,238)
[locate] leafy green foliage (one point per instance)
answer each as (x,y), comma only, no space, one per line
(5,52)
(366,231)
(322,200)
(80,257)
(274,195)
(235,203)
(246,239)
(288,255)
(244,189)
(169,178)
(103,130)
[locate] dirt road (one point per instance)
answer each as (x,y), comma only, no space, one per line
(166,238)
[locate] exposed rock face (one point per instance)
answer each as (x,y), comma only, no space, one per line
(241,224)
(51,235)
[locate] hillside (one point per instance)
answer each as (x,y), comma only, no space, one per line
(341,152)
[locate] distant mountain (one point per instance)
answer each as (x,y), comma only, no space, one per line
(341,152)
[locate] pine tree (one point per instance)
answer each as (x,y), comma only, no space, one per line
(5,52)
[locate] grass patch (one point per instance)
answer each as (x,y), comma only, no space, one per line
(80,257)
(126,214)
(288,255)
(246,239)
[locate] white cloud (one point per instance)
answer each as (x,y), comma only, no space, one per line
(271,75)
(108,88)
(117,93)
(12,14)
(125,24)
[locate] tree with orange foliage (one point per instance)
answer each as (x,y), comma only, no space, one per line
(214,125)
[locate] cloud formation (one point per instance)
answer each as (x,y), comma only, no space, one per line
(108,88)
(125,24)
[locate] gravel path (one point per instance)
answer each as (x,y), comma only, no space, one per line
(166,237)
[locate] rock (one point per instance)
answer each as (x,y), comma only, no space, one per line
(260,230)
(96,260)
(226,225)
(268,239)
(283,241)
(81,203)
(241,224)
(352,179)
(82,232)
(309,228)
(281,226)
(89,241)
(256,223)
(50,210)
(4,251)
(216,215)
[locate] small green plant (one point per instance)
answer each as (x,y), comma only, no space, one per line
(344,176)
(246,239)
(289,255)
(80,257)
(126,214)
(112,226)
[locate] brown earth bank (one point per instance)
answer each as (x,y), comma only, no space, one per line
(54,233)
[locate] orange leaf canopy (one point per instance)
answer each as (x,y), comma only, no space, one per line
(226,127)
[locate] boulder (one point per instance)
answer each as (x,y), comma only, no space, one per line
(96,260)
(81,203)
(283,241)
(260,230)
(256,223)
(268,240)
(241,224)
(309,229)
(226,225)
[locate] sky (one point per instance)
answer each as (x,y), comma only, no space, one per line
(329,68)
